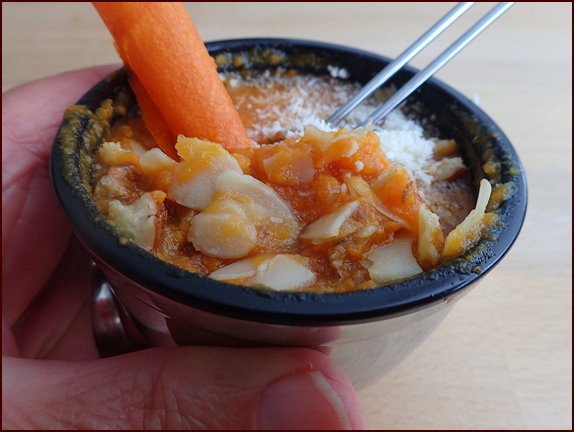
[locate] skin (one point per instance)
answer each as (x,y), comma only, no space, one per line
(52,374)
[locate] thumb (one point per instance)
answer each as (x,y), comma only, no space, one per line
(181,388)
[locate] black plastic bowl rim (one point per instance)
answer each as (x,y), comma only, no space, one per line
(300,309)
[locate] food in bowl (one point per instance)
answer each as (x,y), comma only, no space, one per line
(365,331)
(309,208)
(259,190)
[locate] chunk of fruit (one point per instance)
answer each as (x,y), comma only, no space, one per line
(399,195)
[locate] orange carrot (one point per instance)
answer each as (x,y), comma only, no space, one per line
(174,77)
(153,118)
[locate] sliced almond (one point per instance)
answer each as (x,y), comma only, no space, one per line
(260,202)
(444,147)
(283,273)
(328,226)
(112,153)
(470,229)
(393,261)
(222,235)
(141,220)
(195,175)
(449,169)
(242,269)
(154,161)
(431,238)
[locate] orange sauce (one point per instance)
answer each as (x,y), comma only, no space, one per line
(316,175)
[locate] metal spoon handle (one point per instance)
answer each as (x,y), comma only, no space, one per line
(440,61)
(399,62)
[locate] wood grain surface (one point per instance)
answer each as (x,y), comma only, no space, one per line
(502,359)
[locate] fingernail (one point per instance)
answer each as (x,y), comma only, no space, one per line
(302,401)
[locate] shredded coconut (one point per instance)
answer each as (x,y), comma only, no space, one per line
(337,72)
(313,99)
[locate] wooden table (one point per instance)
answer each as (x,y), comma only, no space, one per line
(503,358)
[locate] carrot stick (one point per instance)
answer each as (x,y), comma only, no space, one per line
(154,120)
(173,74)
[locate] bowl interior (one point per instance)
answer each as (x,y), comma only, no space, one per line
(452,114)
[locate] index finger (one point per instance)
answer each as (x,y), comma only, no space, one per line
(34,229)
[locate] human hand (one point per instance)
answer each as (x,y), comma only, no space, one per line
(52,376)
